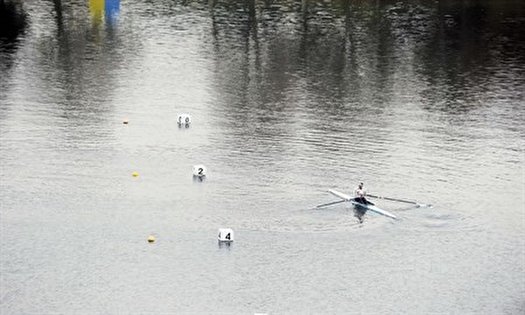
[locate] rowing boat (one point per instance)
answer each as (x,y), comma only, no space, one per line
(357,204)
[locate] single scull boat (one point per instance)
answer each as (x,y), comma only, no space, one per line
(369,206)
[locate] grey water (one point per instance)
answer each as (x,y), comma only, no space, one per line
(420,100)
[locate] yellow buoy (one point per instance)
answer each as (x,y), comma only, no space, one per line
(135,174)
(151,239)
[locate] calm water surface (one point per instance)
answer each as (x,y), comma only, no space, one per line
(421,101)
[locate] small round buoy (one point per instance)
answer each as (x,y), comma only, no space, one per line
(125,121)
(151,239)
(135,174)
(225,235)
(199,170)
(184,120)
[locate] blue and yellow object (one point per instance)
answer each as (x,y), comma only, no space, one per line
(104,8)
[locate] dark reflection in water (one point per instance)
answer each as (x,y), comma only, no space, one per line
(278,63)
(359,214)
(355,48)
(339,54)
(227,245)
(82,52)
(199,179)
(472,42)
(13,23)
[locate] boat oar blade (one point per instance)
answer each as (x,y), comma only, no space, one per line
(330,203)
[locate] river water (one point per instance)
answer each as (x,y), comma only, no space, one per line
(419,100)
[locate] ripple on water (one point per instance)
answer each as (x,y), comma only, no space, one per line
(435,219)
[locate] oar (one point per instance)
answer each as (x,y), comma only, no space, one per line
(330,203)
(400,200)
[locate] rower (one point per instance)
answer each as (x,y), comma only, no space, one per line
(360,194)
